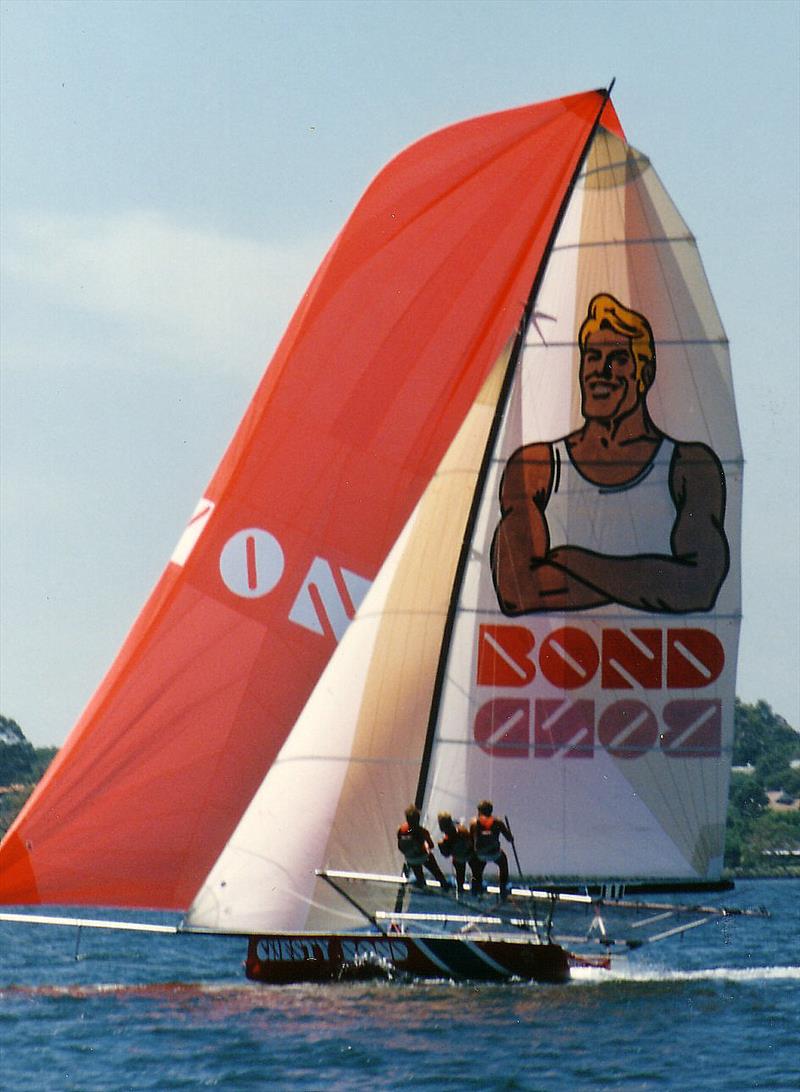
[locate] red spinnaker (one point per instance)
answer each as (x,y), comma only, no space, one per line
(378,367)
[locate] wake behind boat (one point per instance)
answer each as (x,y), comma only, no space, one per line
(477,532)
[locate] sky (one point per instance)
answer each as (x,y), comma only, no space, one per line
(173,172)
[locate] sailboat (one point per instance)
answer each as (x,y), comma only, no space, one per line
(477,536)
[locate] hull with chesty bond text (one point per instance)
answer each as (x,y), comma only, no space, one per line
(323,957)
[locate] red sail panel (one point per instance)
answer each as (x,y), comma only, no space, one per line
(377,369)
(610,121)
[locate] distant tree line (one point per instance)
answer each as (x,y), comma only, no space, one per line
(21,766)
(20,761)
(758,839)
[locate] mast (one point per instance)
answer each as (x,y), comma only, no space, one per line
(502,402)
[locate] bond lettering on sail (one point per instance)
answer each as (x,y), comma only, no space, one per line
(567,686)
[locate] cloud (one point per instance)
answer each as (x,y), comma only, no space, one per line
(198,296)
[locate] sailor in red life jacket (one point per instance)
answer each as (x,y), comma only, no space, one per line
(486,829)
(416,845)
(457,844)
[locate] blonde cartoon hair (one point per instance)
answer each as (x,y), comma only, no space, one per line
(607,312)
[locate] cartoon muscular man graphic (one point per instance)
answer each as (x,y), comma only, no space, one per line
(616,512)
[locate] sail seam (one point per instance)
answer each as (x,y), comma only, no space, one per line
(591,748)
(617,616)
(614,167)
(644,241)
(672,342)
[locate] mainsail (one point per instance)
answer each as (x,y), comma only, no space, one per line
(576,664)
(382,373)
(597,702)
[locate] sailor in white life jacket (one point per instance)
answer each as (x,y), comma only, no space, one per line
(615,512)
(416,845)
(486,829)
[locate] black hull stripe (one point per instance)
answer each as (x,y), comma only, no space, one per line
(465,960)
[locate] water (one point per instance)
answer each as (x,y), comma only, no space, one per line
(718,1010)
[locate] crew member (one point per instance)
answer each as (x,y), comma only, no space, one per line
(485,830)
(416,845)
(457,844)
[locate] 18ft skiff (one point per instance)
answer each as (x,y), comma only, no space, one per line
(477,535)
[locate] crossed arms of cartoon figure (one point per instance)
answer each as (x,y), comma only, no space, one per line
(531,577)
(614,450)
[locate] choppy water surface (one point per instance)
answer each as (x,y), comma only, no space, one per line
(718,1010)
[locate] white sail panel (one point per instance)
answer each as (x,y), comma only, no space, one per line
(592,705)
(337,792)
(265,878)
